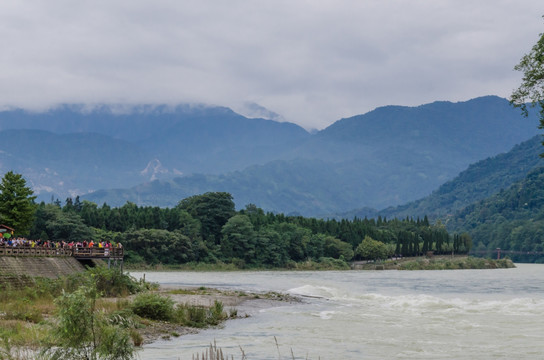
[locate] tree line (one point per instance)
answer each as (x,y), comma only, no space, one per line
(207,228)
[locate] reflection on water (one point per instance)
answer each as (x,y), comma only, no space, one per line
(484,314)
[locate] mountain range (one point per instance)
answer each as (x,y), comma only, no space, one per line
(157,155)
(479,181)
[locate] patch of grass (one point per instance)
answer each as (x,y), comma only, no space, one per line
(137,338)
(22,310)
(20,334)
(200,291)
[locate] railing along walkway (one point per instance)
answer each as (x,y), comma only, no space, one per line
(77,252)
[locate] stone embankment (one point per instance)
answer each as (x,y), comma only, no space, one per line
(19,270)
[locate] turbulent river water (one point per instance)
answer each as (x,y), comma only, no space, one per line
(458,314)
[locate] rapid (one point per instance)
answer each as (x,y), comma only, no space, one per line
(446,314)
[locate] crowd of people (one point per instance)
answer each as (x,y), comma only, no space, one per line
(48,244)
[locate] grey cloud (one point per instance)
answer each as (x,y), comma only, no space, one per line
(312,62)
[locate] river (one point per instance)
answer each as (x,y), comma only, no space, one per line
(457,314)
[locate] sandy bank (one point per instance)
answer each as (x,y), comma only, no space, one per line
(241,303)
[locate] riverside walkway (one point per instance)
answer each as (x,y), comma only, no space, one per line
(79,253)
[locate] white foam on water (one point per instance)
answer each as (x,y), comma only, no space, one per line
(325,315)
(315,291)
(425,303)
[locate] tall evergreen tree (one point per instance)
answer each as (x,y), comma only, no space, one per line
(17,205)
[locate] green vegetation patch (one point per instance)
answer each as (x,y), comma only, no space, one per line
(71,317)
(455,264)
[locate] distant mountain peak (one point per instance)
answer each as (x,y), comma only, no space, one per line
(153,169)
(254,110)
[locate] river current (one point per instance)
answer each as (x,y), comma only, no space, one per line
(457,314)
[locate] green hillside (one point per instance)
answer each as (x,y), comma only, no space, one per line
(387,157)
(512,220)
(478,182)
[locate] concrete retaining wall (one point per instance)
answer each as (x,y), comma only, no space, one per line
(15,269)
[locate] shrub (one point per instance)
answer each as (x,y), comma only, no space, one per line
(153,306)
(199,316)
(82,332)
(113,282)
(216,313)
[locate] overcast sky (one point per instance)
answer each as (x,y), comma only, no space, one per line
(313,62)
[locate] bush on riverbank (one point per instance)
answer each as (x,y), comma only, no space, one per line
(154,306)
(83,330)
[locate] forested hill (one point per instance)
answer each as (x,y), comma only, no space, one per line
(478,182)
(387,157)
(304,187)
(512,220)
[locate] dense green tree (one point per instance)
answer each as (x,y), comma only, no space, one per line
(256,215)
(271,248)
(531,89)
(67,226)
(157,246)
(188,232)
(238,239)
(77,204)
(336,248)
(39,224)
(213,210)
(370,249)
(17,205)
(316,246)
(89,214)
(188,225)
(296,238)
(68,205)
